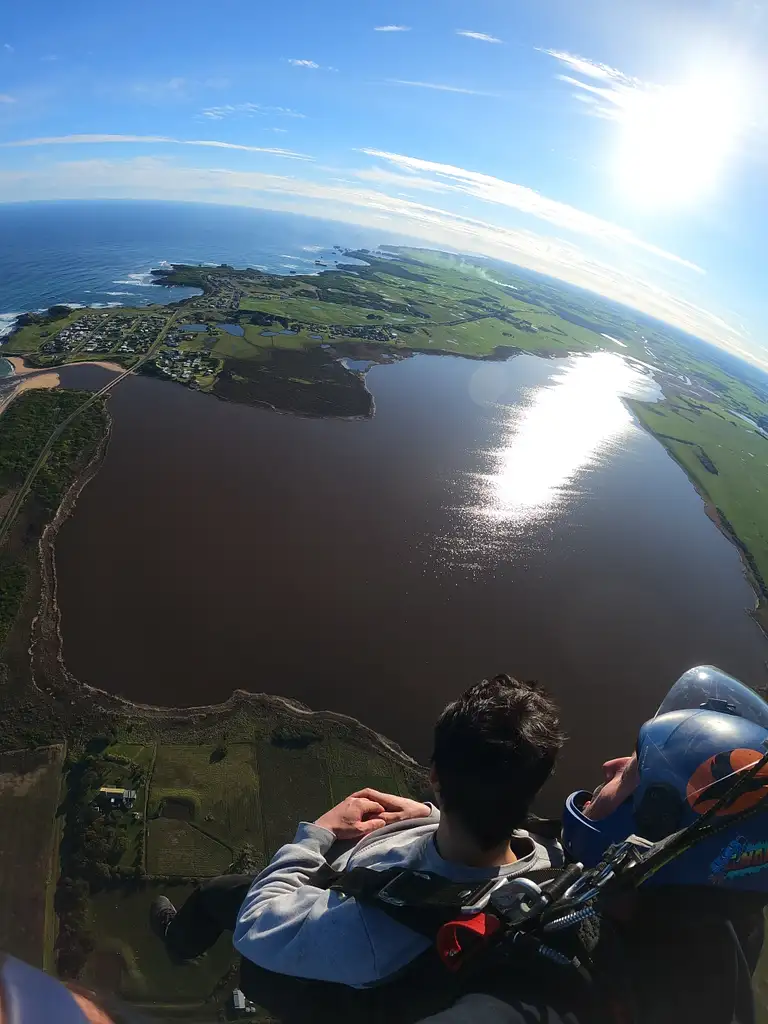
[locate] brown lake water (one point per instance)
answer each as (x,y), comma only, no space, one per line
(490,517)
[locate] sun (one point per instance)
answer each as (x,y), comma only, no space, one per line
(675,142)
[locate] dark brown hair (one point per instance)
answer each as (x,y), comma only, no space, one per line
(495,747)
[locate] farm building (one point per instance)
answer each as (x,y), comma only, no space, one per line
(240,1004)
(115,798)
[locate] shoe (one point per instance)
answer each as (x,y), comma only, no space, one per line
(161,913)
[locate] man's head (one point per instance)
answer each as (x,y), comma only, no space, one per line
(700,755)
(495,747)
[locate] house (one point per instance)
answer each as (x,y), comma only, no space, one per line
(115,798)
(242,1006)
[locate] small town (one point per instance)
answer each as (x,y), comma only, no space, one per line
(185,367)
(107,332)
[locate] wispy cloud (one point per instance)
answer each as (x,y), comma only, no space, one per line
(149,177)
(302,63)
(439,87)
(382,176)
(5,98)
(482,37)
(528,201)
(392,28)
(8,48)
(75,140)
(247,110)
(585,66)
(608,93)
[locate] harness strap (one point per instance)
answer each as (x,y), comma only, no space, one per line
(421,900)
(399,887)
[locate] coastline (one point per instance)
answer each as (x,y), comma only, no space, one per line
(49,672)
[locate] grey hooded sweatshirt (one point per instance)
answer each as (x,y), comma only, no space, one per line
(287,924)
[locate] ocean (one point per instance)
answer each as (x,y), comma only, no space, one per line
(101,253)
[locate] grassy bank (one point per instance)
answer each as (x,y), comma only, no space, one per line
(25,428)
(727,459)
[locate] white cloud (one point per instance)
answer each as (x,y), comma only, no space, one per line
(442,88)
(70,140)
(392,28)
(612,97)
(147,177)
(527,200)
(247,110)
(590,68)
(8,47)
(302,63)
(384,177)
(482,37)
(5,98)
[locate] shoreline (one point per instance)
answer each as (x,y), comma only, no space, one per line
(759,612)
(46,654)
(22,370)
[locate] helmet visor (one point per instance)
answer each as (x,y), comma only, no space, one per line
(708,689)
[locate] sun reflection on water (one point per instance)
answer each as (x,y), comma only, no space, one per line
(556,433)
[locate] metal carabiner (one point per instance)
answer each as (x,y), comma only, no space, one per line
(518,900)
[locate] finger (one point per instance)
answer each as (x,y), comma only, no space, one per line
(366,807)
(390,816)
(388,799)
(369,794)
(370,825)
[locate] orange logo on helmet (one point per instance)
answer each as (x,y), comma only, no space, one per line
(715,777)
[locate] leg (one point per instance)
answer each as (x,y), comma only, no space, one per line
(211,909)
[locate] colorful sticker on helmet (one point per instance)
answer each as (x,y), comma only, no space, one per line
(715,777)
(739,858)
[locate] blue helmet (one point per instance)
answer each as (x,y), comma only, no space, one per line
(708,728)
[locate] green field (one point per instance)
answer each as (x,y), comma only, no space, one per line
(29,338)
(208,805)
(223,797)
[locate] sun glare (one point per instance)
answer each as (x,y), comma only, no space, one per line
(676,141)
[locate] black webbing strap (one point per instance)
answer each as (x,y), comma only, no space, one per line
(398,887)
(420,900)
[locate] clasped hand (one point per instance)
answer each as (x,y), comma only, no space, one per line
(367,810)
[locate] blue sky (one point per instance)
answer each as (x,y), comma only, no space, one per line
(618,144)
